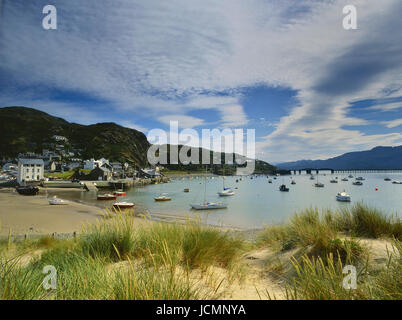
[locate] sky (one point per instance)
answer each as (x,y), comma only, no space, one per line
(286,68)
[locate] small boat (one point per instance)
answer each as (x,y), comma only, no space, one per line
(293,182)
(28,190)
(163,197)
(123,205)
(350,176)
(333,181)
(107,196)
(387,179)
(226,192)
(360,179)
(270,181)
(283,188)
(311,177)
(318,184)
(186,190)
(345,179)
(57,201)
(357,183)
(343,197)
(208,206)
(119,193)
(397,182)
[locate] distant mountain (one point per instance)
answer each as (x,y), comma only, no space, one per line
(378,158)
(28,130)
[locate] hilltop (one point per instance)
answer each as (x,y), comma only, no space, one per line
(28,130)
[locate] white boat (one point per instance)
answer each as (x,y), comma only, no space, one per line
(397,182)
(343,197)
(360,179)
(357,183)
(350,176)
(333,181)
(311,177)
(57,201)
(345,179)
(123,205)
(209,206)
(226,192)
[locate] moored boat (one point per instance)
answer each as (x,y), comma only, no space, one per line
(162,197)
(186,190)
(57,201)
(28,190)
(123,205)
(397,182)
(357,183)
(343,197)
(208,206)
(283,188)
(120,193)
(107,196)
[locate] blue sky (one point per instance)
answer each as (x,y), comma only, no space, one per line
(285,68)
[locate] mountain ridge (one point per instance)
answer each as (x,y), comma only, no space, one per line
(377,158)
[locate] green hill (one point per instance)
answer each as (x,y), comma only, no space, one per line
(29,130)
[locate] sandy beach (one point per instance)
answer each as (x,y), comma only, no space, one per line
(34,215)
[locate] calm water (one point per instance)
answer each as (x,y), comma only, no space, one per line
(258,202)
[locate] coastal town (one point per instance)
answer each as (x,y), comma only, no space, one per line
(65,169)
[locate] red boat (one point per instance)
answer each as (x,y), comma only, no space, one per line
(119,193)
(106,197)
(123,205)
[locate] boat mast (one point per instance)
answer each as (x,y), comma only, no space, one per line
(205,186)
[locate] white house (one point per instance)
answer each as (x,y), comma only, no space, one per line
(30,170)
(92,164)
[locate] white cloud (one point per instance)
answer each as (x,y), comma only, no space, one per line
(392,123)
(183,121)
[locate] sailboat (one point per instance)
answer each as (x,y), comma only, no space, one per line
(318,184)
(208,205)
(226,192)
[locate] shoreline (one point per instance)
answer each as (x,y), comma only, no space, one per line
(32,216)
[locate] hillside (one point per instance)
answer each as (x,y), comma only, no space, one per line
(378,158)
(29,130)
(260,166)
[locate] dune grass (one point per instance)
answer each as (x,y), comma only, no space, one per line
(161,258)
(363,221)
(316,280)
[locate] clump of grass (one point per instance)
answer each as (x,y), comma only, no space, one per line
(156,283)
(202,246)
(191,245)
(362,221)
(111,240)
(319,280)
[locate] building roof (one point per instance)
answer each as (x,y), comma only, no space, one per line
(31,161)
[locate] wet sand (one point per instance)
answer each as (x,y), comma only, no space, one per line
(34,215)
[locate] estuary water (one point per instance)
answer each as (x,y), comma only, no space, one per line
(257,202)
